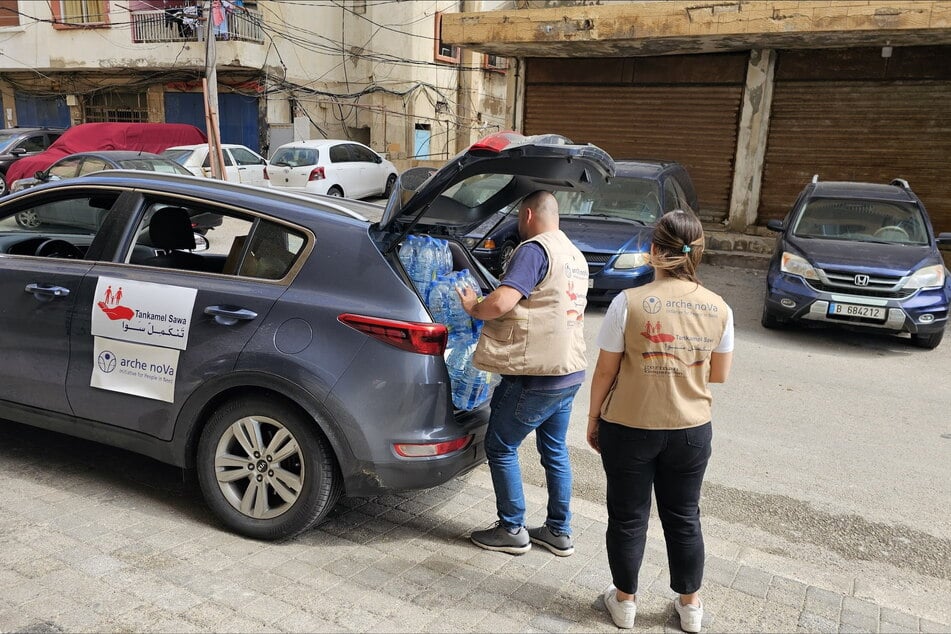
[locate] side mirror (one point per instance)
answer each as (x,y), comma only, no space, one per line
(42,175)
(944,237)
(18,151)
(775,225)
(377,159)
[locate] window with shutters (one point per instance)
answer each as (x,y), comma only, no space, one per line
(9,13)
(79,13)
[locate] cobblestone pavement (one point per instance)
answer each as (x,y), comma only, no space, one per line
(97,539)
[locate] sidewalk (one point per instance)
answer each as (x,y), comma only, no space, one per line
(85,550)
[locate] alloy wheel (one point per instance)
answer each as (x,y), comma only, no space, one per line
(259,467)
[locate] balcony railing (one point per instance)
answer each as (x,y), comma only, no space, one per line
(172,26)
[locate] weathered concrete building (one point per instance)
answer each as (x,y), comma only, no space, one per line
(754,97)
(373,72)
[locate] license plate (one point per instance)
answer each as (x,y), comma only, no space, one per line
(590,282)
(855,310)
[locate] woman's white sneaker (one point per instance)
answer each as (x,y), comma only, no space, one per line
(622,612)
(691,616)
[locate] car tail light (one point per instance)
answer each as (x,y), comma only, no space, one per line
(496,142)
(428,450)
(316,174)
(266,177)
(422,338)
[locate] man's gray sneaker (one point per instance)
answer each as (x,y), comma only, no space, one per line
(500,539)
(558,544)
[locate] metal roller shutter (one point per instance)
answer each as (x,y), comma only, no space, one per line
(833,117)
(675,107)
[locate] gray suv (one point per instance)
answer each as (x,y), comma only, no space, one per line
(15,143)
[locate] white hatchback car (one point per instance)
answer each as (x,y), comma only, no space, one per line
(242,164)
(336,168)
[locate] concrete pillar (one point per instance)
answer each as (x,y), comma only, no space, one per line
(8,104)
(155,98)
(751,140)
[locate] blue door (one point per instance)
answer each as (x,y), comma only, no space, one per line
(421,142)
(237,115)
(39,112)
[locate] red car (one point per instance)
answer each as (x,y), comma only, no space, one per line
(86,137)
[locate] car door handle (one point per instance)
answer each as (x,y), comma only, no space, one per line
(45,293)
(230,315)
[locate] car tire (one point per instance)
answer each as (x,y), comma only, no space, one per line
(929,341)
(3,185)
(769,320)
(267,503)
(28,219)
(390,182)
(335,191)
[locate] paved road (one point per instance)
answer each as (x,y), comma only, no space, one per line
(825,510)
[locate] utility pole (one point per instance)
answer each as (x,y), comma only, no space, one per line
(210,89)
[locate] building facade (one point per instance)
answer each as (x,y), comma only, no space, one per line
(754,97)
(377,73)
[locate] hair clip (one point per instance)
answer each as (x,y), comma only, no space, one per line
(686,249)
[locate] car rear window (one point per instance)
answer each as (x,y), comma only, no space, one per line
(179,156)
(861,221)
(165,167)
(475,190)
(295,157)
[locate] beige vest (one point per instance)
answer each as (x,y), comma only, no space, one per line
(672,328)
(544,334)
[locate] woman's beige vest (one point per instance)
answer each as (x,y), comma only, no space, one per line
(544,334)
(672,328)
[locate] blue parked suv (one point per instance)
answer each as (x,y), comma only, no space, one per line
(859,255)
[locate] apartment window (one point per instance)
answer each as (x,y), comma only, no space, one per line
(496,63)
(79,13)
(8,13)
(445,52)
(119,107)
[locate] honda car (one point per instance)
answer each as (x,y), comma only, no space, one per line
(859,255)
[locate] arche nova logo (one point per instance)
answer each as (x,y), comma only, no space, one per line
(652,305)
(106,361)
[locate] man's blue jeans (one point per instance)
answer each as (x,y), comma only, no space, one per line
(517,411)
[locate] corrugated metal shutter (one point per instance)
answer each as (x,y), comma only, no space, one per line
(859,131)
(237,115)
(695,125)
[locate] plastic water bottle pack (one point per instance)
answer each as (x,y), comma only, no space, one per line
(471,387)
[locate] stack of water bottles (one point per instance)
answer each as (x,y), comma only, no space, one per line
(428,261)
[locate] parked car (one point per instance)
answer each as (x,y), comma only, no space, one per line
(859,255)
(335,168)
(18,143)
(87,163)
(611,225)
(283,383)
(90,137)
(242,164)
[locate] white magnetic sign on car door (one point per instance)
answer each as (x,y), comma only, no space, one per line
(132,368)
(139,331)
(153,314)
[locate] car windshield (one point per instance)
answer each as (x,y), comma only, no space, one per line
(635,199)
(179,156)
(294,157)
(861,221)
(151,165)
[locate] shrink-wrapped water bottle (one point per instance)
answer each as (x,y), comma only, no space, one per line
(425,265)
(408,255)
(470,386)
(441,295)
(442,264)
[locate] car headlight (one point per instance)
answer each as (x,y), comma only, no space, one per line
(631,260)
(795,265)
(470,242)
(927,277)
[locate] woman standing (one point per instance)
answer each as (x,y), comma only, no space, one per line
(661,345)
